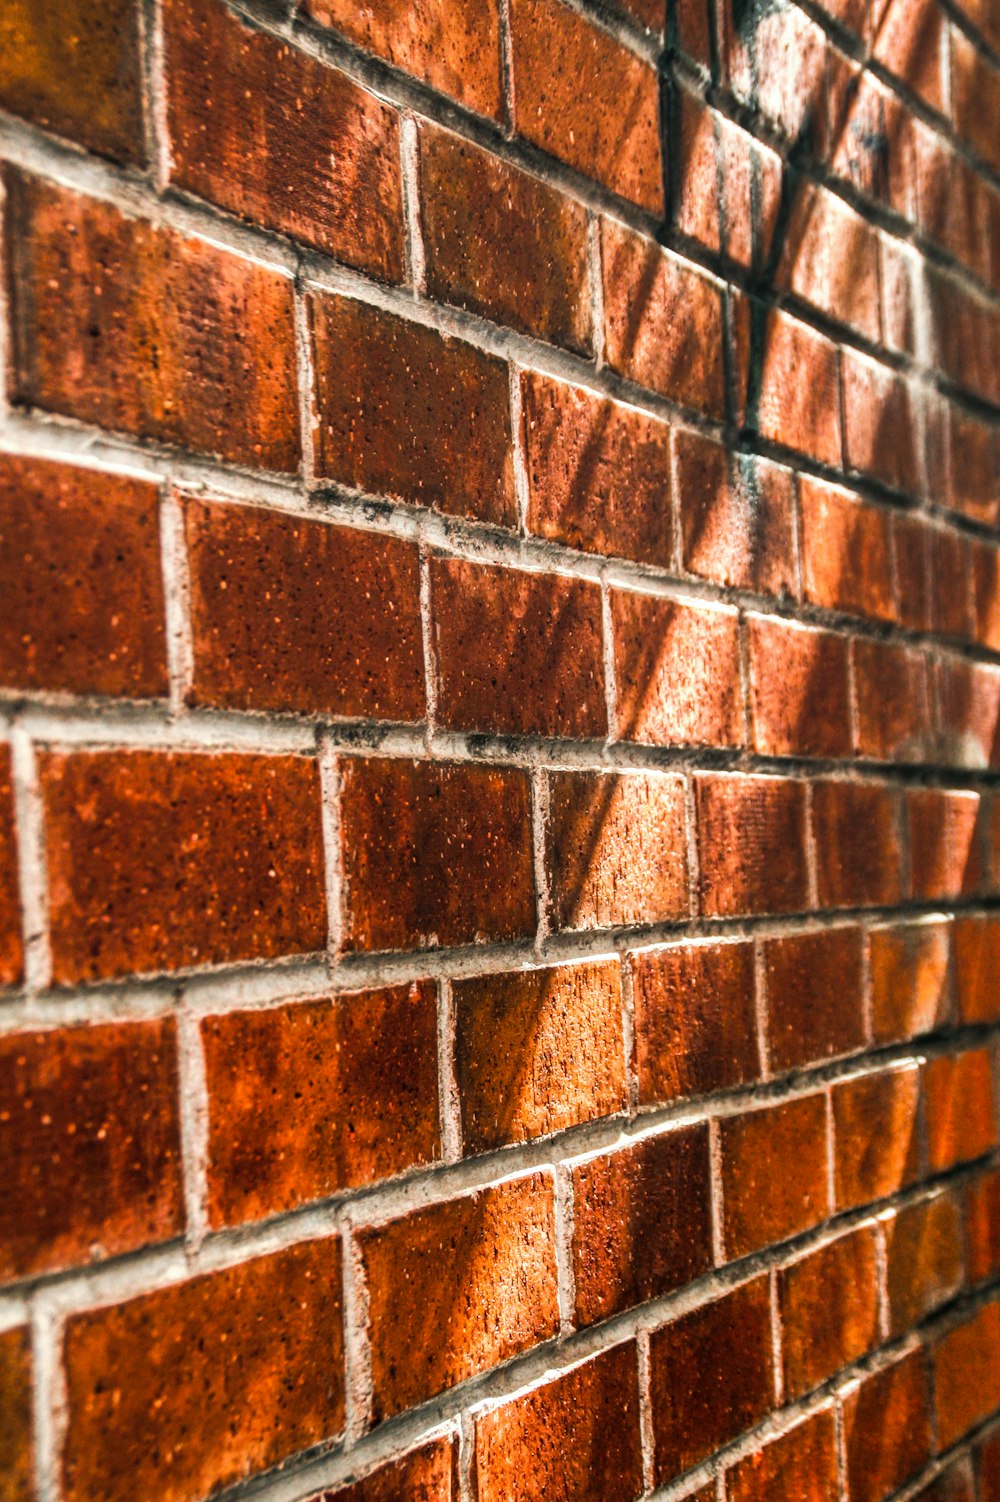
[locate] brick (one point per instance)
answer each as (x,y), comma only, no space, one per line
(616,849)
(951,201)
(712,1377)
(751,842)
(846,552)
(986,607)
(755,62)
(11,949)
(566,74)
(855,828)
(791,376)
(961,1113)
(910,984)
(76,71)
(718,174)
(244,1367)
(434,854)
(951,577)
(17,1467)
(517,652)
(977,963)
(503,244)
(342,613)
(429,1474)
(773,1165)
(454,49)
(317,1096)
(830,259)
(814,996)
(973,468)
(966,1380)
(975,94)
(908,41)
(641,1222)
(892,694)
(102,630)
(695,1019)
(989,1469)
(881,426)
(956,1484)
(887,1434)
(737,529)
(689,20)
(404,412)
(120,322)
(677,672)
(598,472)
(800,1463)
(945,843)
(663,321)
(911,539)
(575,1436)
(799,693)
(160,860)
(481,1279)
(91,1138)
(982,1226)
(898,274)
(829,1310)
(876,1135)
(968,695)
(537,1051)
(923,1244)
(271,134)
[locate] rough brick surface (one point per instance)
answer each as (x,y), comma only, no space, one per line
(774,1173)
(16,1456)
(11,946)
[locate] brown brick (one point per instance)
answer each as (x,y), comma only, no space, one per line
(910,985)
(404,412)
(575,1436)
(956,1484)
(774,1164)
(429,1474)
(876,1135)
(434,854)
(598,472)
(502,243)
(856,832)
(829,1310)
(719,169)
(663,321)
(585,98)
(907,41)
(911,538)
(677,672)
(159,860)
(846,552)
(268,132)
(616,849)
(982,1226)
(183,1391)
(736,529)
(90,1135)
(968,695)
(923,1244)
(887,1433)
(17,1468)
(641,1222)
(798,689)
(966,1378)
(480,1276)
(77,71)
(11,950)
(751,841)
(976,945)
(517,652)
(975,96)
(317,1096)
(537,1051)
(455,48)
(892,689)
(880,423)
(800,1463)
(989,1469)
(974,467)
(792,377)
(830,259)
(814,996)
(293,614)
(961,1113)
(951,582)
(695,1019)
(712,1377)
(81,581)
(986,580)
(945,843)
(131,326)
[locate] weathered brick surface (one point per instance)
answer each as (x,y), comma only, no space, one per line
(429,1474)
(677,672)
(923,1259)
(876,1135)
(829,1310)
(910,979)
(887,1428)
(966,1381)
(774,1173)
(16,1439)
(800,1463)
(11,945)
(751,843)
(814,996)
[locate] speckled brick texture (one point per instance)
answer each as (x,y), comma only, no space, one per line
(499,751)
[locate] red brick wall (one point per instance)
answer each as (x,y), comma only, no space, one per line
(499,730)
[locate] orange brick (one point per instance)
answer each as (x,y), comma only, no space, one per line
(677,672)
(876,1135)
(829,1310)
(774,1164)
